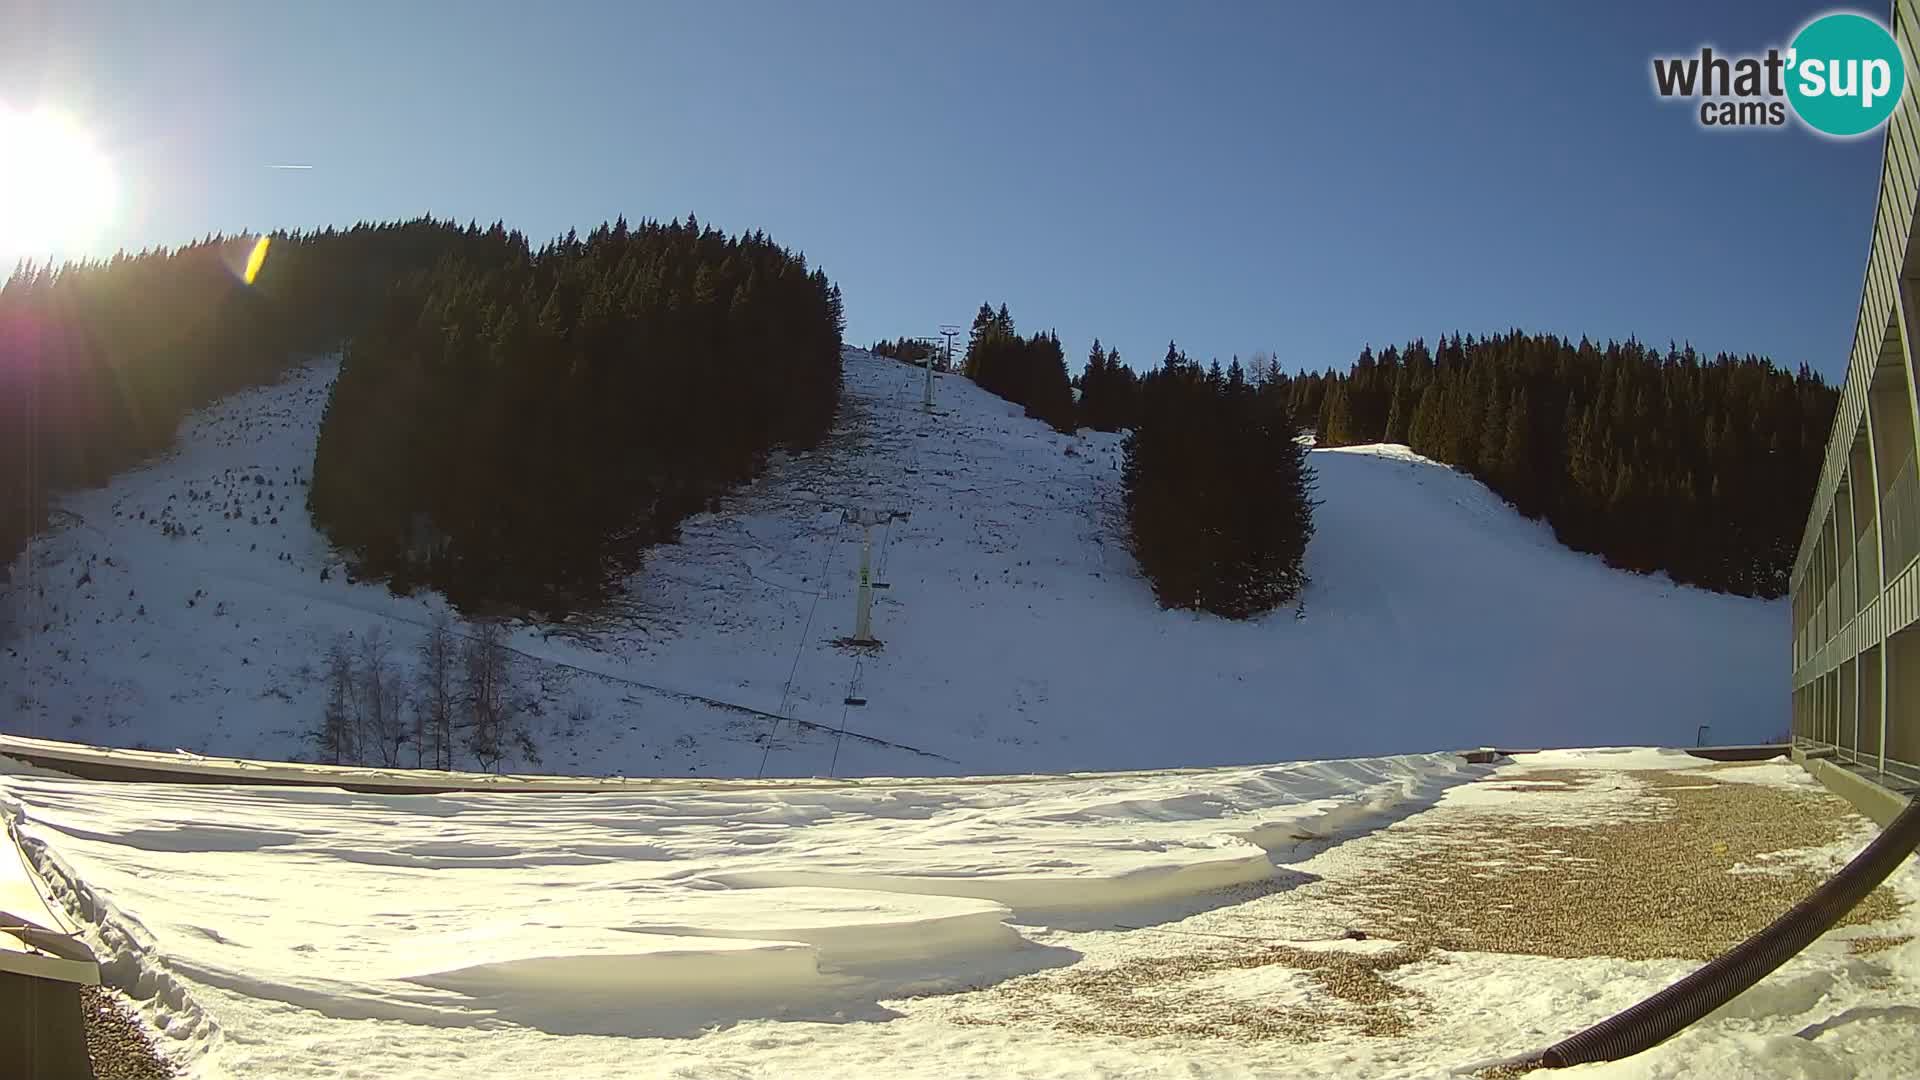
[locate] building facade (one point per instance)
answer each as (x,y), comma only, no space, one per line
(1856,582)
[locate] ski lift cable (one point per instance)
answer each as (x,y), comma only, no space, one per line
(806,631)
(840,736)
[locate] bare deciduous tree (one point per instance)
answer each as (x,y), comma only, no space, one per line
(438,695)
(380,696)
(338,735)
(1263,368)
(491,708)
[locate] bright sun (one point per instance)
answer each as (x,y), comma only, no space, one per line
(57,191)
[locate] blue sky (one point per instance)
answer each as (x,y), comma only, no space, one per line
(1236,176)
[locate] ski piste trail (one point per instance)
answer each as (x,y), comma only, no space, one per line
(183,606)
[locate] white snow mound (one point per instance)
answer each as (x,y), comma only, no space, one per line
(643,913)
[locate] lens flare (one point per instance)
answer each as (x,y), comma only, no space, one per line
(255,258)
(57,190)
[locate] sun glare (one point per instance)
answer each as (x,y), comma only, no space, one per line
(57,190)
(255,259)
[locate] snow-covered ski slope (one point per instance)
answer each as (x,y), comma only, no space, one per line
(1018,634)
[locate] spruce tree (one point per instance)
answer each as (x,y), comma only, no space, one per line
(1049,394)
(546,441)
(1653,458)
(1217,491)
(1093,388)
(1399,410)
(1423,435)
(1490,455)
(1517,466)
(1336,417)
(1123,392)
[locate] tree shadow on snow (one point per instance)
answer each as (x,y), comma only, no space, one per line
(1906,1013)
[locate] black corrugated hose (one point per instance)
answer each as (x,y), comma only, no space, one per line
(1659,1017)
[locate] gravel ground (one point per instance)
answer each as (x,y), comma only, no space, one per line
(1168,995)
(1877,943)
(1635,865)
(1691,875)
(116,1042)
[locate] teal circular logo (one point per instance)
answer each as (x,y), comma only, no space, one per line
(1845,74)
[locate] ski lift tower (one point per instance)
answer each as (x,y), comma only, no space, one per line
(927,401)
(863,598)
(947,330)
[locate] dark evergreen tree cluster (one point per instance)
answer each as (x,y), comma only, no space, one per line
(516,425)
(1109,391)
(100,360)
(1028,371)
(912,351)
(1656,460)
(1218,491)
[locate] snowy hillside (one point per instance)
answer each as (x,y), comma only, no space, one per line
(184,606)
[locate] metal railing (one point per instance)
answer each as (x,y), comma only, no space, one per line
(1866,564)
(1868,763)
(1900,517)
